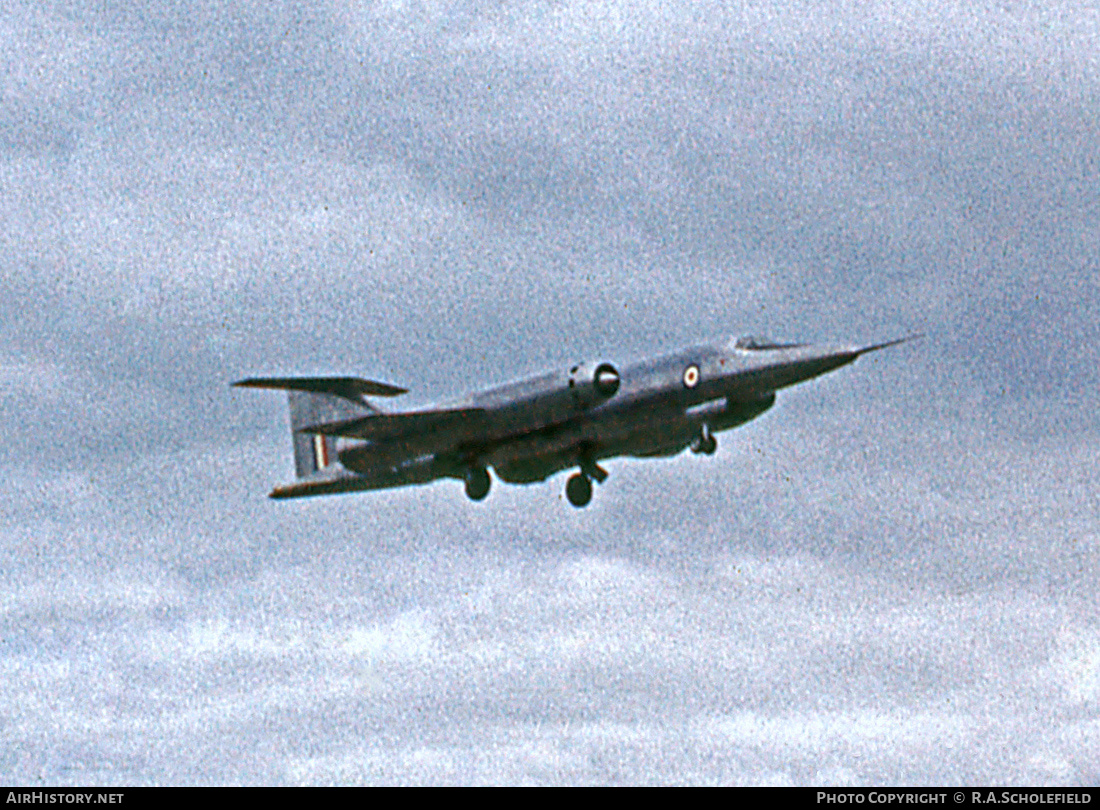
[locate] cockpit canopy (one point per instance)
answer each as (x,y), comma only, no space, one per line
(758,343)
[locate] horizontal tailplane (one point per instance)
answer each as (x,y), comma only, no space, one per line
(351,388)
(317,401)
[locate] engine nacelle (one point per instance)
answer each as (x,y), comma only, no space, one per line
(591,383)
(542,402)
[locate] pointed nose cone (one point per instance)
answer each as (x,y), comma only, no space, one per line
(797,364)
(886,345)
(810,361)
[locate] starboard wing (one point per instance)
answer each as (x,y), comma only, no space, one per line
(390,426)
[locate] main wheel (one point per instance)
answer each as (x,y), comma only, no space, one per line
(578,489)
(477,483)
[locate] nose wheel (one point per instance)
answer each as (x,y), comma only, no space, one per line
(705,442)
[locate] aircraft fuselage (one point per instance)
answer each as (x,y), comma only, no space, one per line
(531,429)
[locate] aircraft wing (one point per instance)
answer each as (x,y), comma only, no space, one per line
(383,427)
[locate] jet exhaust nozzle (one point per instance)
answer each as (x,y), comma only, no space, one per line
(591,383)
(606,380)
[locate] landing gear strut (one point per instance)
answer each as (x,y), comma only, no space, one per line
(704,442)
(477,483)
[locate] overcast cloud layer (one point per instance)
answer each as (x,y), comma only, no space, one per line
(889,578)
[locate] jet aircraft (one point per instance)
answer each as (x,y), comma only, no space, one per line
(528,430)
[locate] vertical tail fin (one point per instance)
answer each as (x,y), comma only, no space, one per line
(312,452)
(317,400)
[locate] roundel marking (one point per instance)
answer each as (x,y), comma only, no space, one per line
(691,376)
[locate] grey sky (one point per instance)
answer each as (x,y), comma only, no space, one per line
(889,578)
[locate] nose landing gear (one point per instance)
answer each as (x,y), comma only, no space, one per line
(705,442)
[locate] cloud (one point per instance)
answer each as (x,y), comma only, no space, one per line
(1077,667)
(459,664)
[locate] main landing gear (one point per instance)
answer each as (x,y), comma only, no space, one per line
(705,442)
(578,489)
(477,483)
